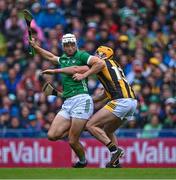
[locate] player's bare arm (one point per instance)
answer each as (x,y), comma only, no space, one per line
(67,70)
(96,66)
(44,53)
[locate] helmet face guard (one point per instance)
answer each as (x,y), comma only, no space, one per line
(69,38)
(101,55)
(104,52)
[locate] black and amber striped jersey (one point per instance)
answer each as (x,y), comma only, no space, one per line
(114,81)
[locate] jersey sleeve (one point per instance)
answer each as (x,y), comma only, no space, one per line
(85,57)
(58,60)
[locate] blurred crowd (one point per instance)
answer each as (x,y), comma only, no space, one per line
(141,32)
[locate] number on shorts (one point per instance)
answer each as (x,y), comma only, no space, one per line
(87,107)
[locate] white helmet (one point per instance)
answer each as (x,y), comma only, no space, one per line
(69,38)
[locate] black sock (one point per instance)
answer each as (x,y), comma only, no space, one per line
(112,147)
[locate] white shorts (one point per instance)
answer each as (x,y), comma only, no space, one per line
(79,106)
(122,108)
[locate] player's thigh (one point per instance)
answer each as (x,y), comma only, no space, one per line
(59,126)
(77,126)
(101,118)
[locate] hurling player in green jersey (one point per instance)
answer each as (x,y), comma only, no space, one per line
(78,105)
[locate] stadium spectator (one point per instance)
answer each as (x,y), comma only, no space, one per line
(170,113)
(36,11)
(24,113)
(4,118)
(12,81)
(132,124)
(51,17)
(15,123)
(151,129)
(14,30)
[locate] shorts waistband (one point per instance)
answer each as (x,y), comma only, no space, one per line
(123,99)
(77,96)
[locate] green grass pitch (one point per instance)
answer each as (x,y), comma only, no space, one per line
(87,173)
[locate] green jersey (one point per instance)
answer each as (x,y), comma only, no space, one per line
(70,86)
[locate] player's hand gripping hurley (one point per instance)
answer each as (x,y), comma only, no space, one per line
(28,18)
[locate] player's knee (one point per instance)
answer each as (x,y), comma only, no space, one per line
(51,136)
(107,131)
(109,134)
(72,142)
(89,127)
